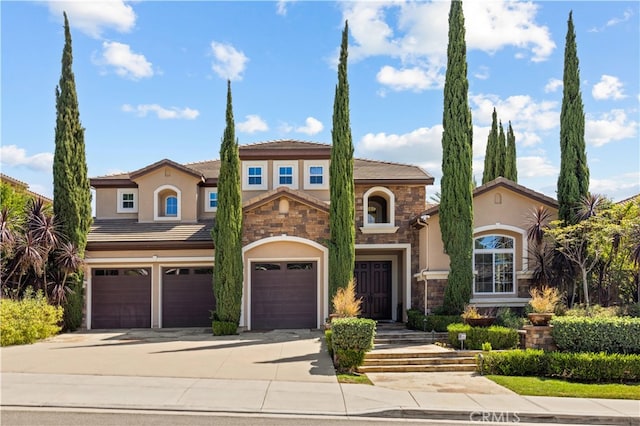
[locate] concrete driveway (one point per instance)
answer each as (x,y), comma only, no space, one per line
(287,355)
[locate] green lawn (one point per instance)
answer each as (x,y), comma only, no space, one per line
(360,379)
(540,386)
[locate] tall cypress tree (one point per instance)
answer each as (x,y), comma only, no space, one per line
(491,151)
(342,192)
(573,182)
(71,188)
(227,232)
(456,209)
(510,167)
(502,152)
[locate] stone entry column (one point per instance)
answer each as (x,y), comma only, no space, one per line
(539,337)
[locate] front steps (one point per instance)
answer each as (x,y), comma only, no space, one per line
(399,350)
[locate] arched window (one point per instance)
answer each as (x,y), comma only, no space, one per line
(378,211)
(171,206)
(493,261)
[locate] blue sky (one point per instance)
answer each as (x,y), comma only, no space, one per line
(151,81)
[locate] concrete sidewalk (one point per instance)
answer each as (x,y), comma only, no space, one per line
(289,397)
(279,372)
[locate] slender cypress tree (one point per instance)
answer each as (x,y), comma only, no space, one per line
(456,209)
(573,182)
(227,232)
(71,188)
(491,152)
(502,152)
(510,167)
(342,191)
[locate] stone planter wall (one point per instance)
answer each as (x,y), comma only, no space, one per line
(539,337)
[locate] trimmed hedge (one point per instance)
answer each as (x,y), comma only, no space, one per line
(601,334)
(499,337)
(582,367)
(416,320)
(351,338)
(327,339)
(28,320)
(224,328)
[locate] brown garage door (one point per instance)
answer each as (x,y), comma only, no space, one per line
(187,297)
(283,295)
(121,298)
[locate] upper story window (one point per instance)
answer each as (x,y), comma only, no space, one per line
(378,211)
(167,203)
(493,261)
(316,174)
(254,175)
(211,200)
(285,173)
(127,200)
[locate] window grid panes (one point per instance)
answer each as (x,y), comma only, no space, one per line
(285,174)
(316,175)
(493,262)
(255,175)
(171,206)
(127,201)
(213,200)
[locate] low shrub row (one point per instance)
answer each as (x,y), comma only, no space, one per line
(417,320)
(28,320)
(600,334)
(350,339)
(582,367)
(499,337)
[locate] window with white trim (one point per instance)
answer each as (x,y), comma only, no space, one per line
(493,263)
(171,206)
(127,200)
(316,174)
(285,173)
(378,211)
(211,200)
(254,175)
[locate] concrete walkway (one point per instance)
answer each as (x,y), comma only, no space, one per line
(285,372)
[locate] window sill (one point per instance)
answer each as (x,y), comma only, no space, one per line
(379,229)
(498,300)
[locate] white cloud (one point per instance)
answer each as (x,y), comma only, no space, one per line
(252,124)
(127,64)
(609,87)
(161,112)
(415,79)
(482,73)
(312,126)
(553,85)
(610,127)
(281,6)
(535,166)
(13,156)
(228,62)
(627,14)
(617,187)
(94,17)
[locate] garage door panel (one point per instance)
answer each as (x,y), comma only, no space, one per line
(187,297)
(121,298)
(284,295)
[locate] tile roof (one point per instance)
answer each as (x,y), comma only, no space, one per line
(299,196)
(129,230)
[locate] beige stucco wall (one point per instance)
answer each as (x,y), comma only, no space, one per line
(495,211)
(286,248)
(150,182)
(107,205)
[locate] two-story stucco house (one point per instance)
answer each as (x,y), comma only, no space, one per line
(150,254)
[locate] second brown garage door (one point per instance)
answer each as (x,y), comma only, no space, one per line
(187,297)
(284,295)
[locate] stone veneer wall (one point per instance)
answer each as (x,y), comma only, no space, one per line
(301,221)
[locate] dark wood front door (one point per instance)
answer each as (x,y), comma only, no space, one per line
(121,298)
(373,285)
(284,295)
(187,297)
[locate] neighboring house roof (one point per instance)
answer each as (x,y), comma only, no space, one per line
(274,194)
(499,182)
(629,200)
(364,171)
(108,234)
(23,186)
(162,163)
